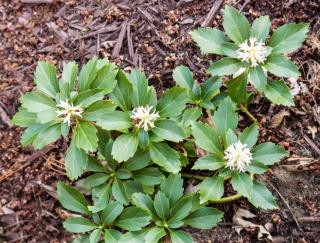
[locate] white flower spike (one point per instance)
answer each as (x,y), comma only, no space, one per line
(238,156)
(252,51)
(143,117)
(67,110)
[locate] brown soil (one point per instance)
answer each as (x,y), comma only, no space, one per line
(77,30)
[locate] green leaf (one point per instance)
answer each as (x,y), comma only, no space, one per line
(260,28)
(46,79)
(87,75)
(78,225)
(211,188)
(111,236)
(288,38)
(210,88)
(225,117)
(122,93)
(209,39)
(72,199)
(204,218)
(95,180)
(111,212)
(95,235)
(24,118)
(181,209)
(278,93)
(98,110)
(172,187)
(148,176)
(262,197)
(225,66)
(178,236)
(133,219)
(257,167)
(106,76)
(86,137)
(206,138)
(132,237)
(143,201)
(237,88)
(124,147)
(281,67)
(190,115)
(165,156)
(229,138)
(242,183)
(161,205)
(68,77)
(116,120)
(46,136)
(75,161)
(150,98)
(140,85)
(230,49)
(31,133)
(209,162)
(154,235)
(249,136)
(37,102)
(139,161)
(88,97)
(123,174)
(258,78)
(169,130)
(235,25)
(119,192)
(101,196)
(172,102)
(269,153)
(183,77)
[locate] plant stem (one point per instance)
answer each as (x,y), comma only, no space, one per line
(227,199)
(197,177)
(245,110)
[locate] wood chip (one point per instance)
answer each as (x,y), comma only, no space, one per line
(118,46)
(217,5)
(38,1)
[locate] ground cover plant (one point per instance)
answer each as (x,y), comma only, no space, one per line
(135,147)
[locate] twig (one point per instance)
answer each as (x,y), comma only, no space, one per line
(287,205)
(38,1)
(117,47)
(129,40)
(4,117)
(101,31)
(217,5)
(312,144)
(29,161)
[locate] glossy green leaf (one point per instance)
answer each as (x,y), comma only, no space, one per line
(87,75)
(162,205)
(209,162)
(144,202)
(124,147)
(178,236)
(242,183)
(86,137)
(269,153)
(183,77)
(237,88)
(169,130)
(211,188)
(258,78)
(140,85)
(111,236)
(235,25)
(72,199)
(249,136)
(172,187)
(78,225)
(46,136)
(75,161)
(281,67)
(209,39)
(204,218)
(279,93)
(262,197)
(46,79)
(133,219)
(154,235)
(260,28)
(116,120)
(225,66)
(111,212)
(119,192)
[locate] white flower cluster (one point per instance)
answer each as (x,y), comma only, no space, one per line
(252,51)
(67,110)
(238,156)
(143,117)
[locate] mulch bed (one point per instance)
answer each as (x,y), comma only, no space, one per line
(152,36)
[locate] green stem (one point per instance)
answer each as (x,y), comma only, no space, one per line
(245,110)
(227,199)
(223,199)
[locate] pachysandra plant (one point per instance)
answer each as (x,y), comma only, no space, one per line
(55,108)
(234,158)
(145,122)
(250,54)
(136,147)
